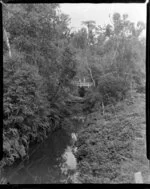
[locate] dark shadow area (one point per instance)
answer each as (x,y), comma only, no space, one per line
(81,91)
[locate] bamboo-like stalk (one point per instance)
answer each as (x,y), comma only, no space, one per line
(7,42)
(103,109)
(91,75)
(114,55)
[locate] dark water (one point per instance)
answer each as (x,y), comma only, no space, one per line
(52,162)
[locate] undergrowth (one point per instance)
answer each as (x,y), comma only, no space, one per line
(106,143)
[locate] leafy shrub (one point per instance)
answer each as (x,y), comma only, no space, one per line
(113,89)
(140,89)
(110,90)
(25,107)
(92,99)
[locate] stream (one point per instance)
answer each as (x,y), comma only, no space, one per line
(53,161)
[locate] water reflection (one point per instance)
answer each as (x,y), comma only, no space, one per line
(69,161)
(53,162)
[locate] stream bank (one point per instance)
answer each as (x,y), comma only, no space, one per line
(53,161)
(112,147)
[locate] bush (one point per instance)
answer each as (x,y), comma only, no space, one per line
(140,89)
(25,108)
(93,100)
(113,89)
(110,90)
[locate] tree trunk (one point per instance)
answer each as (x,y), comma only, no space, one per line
(7,42)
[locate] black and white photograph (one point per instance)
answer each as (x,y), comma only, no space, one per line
(74,93)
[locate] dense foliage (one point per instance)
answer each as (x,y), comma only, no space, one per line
(112,57)
(42,58)
(37,75)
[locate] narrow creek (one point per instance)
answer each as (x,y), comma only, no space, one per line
(52,162)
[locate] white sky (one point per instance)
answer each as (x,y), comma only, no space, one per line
(79,12)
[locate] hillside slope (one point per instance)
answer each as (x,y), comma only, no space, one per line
(112,147)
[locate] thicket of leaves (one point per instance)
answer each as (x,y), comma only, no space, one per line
(115,54)
(25,106)
(113,89)
(37,76)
